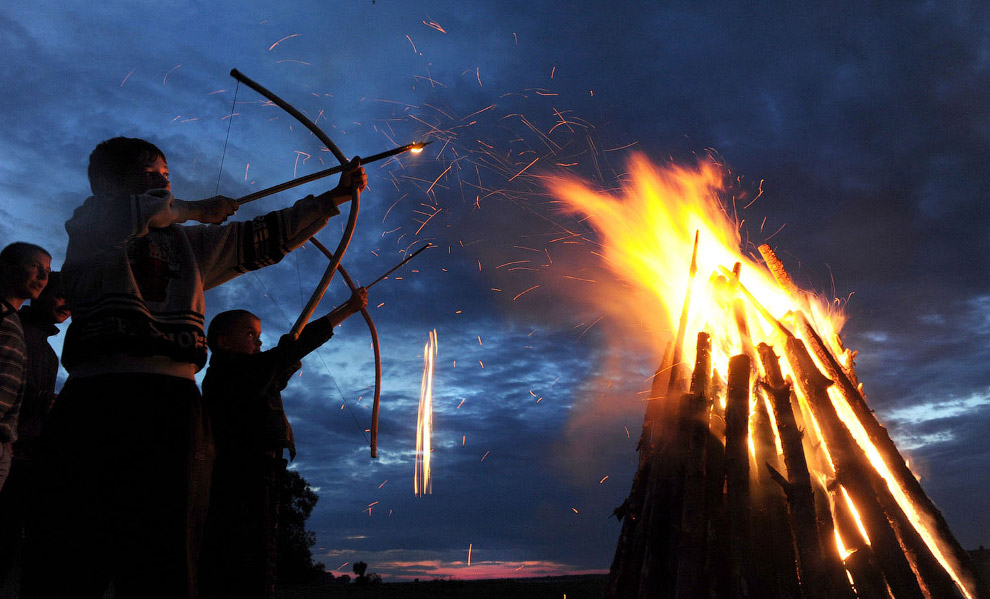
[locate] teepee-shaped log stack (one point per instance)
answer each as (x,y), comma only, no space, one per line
(754,485)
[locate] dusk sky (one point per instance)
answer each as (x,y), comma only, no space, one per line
(866,126)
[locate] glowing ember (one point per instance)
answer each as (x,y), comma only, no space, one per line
(422,482)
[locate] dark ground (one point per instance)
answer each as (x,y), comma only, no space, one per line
(557,587)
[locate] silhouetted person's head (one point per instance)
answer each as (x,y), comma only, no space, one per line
(24,269)
(235,331)
(124,166)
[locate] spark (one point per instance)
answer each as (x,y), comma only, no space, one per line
(415,51)
(463,399)
(512,263)
(757,196)
(603,480)
(296,165)
(563,121)
(127,76)
(485,456)
(525,292)
(434,25)
(489,107)
(482,363)
(470,547)
(383,484)
(621,147)
(165,78)
(479,340)
(441,176)
(574,509)
(428,219)
(524,169)
(272,47)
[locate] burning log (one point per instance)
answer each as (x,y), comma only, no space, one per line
(691,546)
(716,554)
(860,561)
(663,503)
(817,573)
(737,470)
(854,474)
(776,577)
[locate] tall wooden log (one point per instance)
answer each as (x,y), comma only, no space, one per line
(624,573)
(817,571)
(776,574)
(690,575)
(716,551)
(868,580)
(659,527)
(854,473)
(737,471)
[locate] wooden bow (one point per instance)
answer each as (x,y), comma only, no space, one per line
(336,255)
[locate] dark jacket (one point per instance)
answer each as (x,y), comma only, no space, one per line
(242,394)
(39,380)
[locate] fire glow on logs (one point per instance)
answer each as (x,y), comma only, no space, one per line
(759,475)
(422,483)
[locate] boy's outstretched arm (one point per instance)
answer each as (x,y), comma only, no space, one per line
(319,330)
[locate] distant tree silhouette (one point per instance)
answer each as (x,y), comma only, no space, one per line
(295,557)
(360,568)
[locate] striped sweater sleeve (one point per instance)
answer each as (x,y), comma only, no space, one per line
(12,359)
(224,252)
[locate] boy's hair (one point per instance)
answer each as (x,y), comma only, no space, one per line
(222,323)
(115,158)
(19,252)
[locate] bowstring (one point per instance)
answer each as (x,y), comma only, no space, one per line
(230,120)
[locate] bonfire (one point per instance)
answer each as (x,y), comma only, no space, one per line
(762,471)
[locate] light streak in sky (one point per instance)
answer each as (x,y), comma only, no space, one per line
(422,483)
